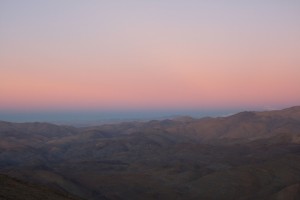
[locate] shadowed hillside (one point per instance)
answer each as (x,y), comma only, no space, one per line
(249,155)
(13,189)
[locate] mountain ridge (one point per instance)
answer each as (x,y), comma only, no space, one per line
(248,155)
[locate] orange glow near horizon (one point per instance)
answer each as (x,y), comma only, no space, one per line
(142,61)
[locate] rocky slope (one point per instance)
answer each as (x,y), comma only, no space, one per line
(14,189)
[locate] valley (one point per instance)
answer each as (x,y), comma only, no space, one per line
(249,155)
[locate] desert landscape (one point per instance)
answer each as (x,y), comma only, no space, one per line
(149,100)
(249,155)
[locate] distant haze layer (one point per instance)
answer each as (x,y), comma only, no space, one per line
(106,116)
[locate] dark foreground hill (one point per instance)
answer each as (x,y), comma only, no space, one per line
(250,155)
(13,189)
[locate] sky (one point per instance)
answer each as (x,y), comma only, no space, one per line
(125,55)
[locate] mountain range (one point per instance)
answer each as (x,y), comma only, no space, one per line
(245,156)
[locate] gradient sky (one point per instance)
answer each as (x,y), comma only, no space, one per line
(140,54)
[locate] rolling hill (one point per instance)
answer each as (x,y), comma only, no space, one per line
(249,155)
